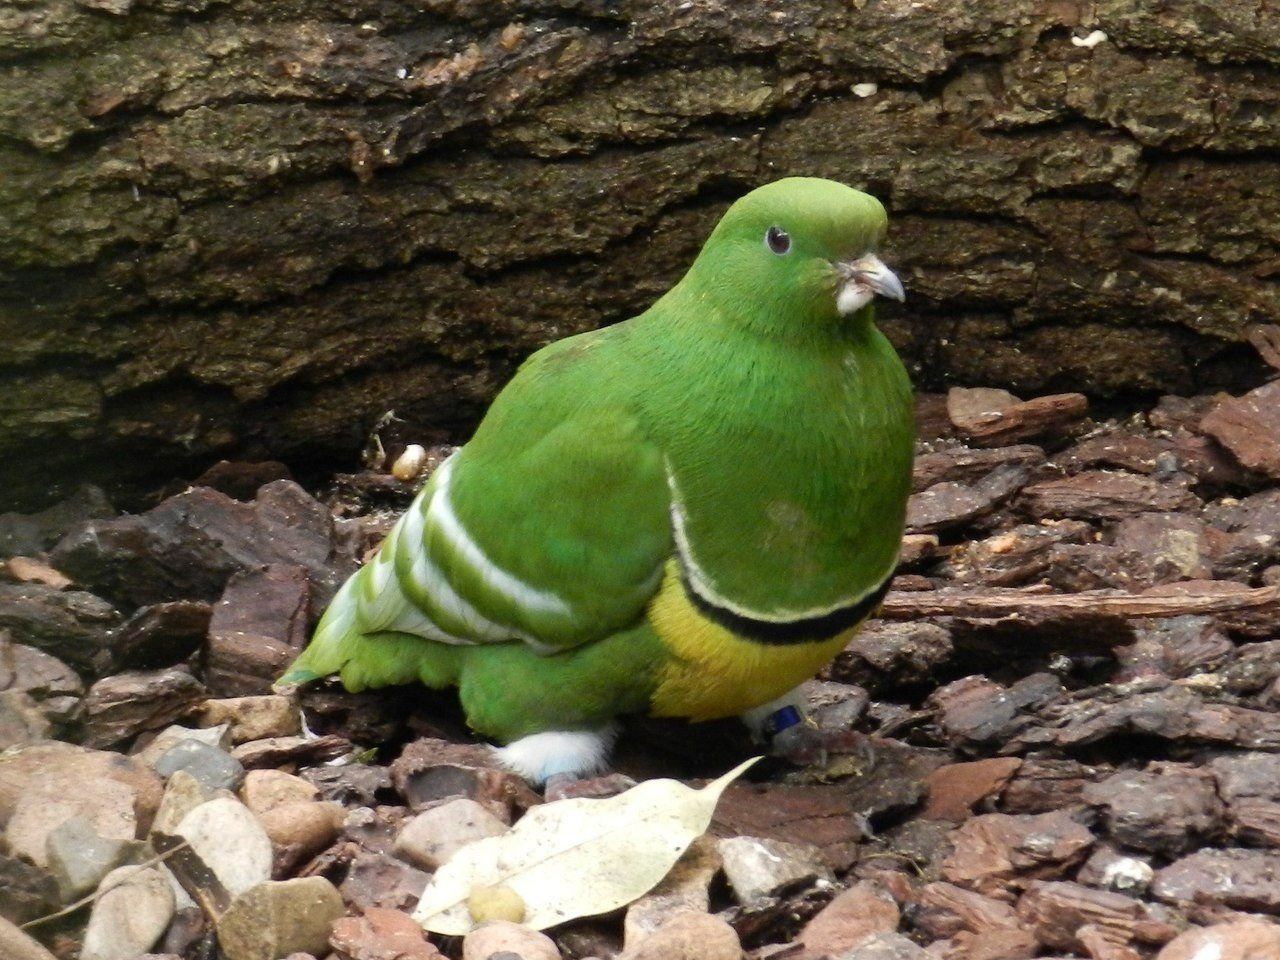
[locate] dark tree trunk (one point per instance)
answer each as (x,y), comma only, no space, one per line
(248,228)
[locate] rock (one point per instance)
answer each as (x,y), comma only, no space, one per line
(1173,647)
(109,807)
(899,653)
(886,946)
(1241,940)
(1110,869)
(1166,808)
(253,718)
(161,634)
(943,910)
(122,706)
(1249,427)
(756,867)
(948,504)
(30,533)
(79,858)
(1173,546)
(175,734)
(264,790)
(434,835)
(377,879)
(241,481)
(71,625)
(992,849)
(131,913)
(956,463)
(259,625)
(381,934)
(428,770)
(189,545)
(353,784)
(955,789)
(279,751)
(1103,495)
(503,940)
(16,945)
(26,891)
(182,794)
(212,767)
(1237,878)
(686,887)
(994,417)
(1016,555)
(1001,944)
(1044,784)
(280,917)
(687,935)
(21,721)
(1249,783)
(1059,911)
(976,712)
(854,916)
(46,678)
(300,830)
(231,843)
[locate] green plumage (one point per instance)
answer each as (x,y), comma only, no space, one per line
(753,424)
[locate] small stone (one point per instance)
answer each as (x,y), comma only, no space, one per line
(120,707)
(1241,940)
(161,634)
(757,867)
(955,789)
(16,945)
(685,887)
(182,794)
(992,849)
(230,841)
(280,917)
(44,785)
(1249,427)
(491,940)
(175,734)
(428,770)
(300,830)
(1236,878)
(948,504)
(264,790)
(1060,912)
(381,934)
(1166,809)
(434,835)
(253,718)
(79,858)
(886,946)
(131,913)
(258,626)
(688,935)
(278,751)
(21,720)
(1110,869)
(944,910)
(209,765)
(854,916)
(377,879)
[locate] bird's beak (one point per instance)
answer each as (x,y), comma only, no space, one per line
(864,279)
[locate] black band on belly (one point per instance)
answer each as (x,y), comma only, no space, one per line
(805,630)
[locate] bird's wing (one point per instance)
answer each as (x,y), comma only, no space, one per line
(551,526)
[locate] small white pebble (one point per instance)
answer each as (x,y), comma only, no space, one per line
(1092,40)
(864,89)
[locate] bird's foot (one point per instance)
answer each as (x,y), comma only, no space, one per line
(565,786)
(831,752)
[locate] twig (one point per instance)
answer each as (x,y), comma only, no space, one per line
(90,898)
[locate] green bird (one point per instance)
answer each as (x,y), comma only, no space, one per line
(686,514)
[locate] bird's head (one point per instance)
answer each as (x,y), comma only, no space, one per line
(797,256)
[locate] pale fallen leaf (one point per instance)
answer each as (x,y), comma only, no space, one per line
(576,858)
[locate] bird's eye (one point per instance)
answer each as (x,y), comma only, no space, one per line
(777,240)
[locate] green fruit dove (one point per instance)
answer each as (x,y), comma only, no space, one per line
(686,514)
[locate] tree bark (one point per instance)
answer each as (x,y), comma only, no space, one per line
(248,228)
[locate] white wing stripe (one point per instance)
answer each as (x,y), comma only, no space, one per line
(441,516)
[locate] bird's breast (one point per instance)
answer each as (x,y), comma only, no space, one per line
(713,671)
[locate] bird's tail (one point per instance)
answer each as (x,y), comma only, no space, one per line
(363,659)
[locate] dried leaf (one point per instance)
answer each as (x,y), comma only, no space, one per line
(576,858)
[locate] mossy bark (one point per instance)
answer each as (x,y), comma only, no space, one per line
(248,228)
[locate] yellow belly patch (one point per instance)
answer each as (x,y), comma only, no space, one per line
(712,672)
